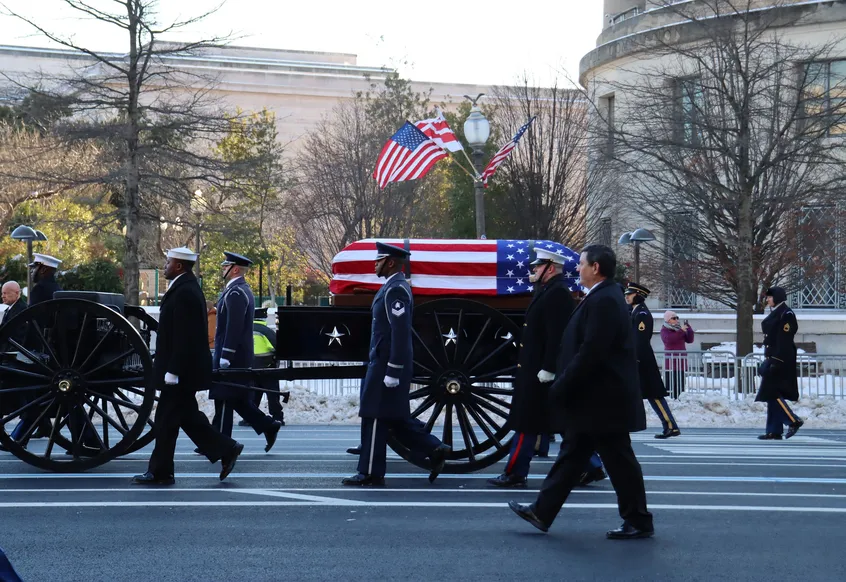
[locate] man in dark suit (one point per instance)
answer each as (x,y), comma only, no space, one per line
(384,391)
(651,384)
(181,368)
(11,294)
(546,318)
(778,371)
(233,347)
(596,401)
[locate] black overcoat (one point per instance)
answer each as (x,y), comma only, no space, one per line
(651,383)
(778,373)
(19,335)
(390,352)
(540,342)
(182,341)
(43,290)
(233,336)
(596,390)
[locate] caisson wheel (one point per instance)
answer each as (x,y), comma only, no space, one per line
(465,361)
(76,386)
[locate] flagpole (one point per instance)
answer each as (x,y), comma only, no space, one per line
(454,159)
(475,176)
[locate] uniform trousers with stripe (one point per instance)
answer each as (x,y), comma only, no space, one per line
(523,449)
(246,409)
(668,421)
(410,432)
(779,414)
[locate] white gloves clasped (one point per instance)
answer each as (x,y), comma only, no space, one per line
(545,376)
(391,382)
(224,363)
(171,379)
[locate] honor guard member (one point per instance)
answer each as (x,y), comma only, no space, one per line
(233,347)
(182,367)
(651,384)
(546,318)
(778,371)
(385,388)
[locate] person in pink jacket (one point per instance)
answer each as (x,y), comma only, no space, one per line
(675,335)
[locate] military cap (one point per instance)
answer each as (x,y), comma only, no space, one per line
(46,260)
(260,313)
(235,259)
(182,254)
(383,251)
(547,256)
(637,289)
(778,294)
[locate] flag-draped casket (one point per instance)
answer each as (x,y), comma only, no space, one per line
(451,266)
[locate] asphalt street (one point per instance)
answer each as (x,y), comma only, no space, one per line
(726,506)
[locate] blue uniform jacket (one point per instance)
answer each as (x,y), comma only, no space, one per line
(233,337)
(390,352)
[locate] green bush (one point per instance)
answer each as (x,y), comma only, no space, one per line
(14,269)
(98,275)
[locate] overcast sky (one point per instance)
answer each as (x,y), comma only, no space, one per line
(464,42)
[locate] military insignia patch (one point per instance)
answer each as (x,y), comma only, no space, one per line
(641,327)
(398,308)
(787,327)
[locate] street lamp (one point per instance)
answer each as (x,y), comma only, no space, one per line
(477,130)
(28,234)
(637,236)
(197,203)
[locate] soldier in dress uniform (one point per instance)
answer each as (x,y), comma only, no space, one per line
(233,347)
(385,388)
(182,367)
(546,318)
(651,384)
(778,371)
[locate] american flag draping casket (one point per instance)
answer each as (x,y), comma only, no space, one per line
(451,266)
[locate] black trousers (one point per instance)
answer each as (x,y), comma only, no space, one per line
(374,442)
(246,409)
(178,409)
(620,463)
(274,402)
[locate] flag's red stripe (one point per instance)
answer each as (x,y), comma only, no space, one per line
(478,247)
(422,268)
(346,287)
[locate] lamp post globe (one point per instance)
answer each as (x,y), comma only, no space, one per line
(477,130)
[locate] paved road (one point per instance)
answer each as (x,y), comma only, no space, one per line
(727,507)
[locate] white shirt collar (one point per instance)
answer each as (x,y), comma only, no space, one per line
(231,281)
(392,276)
(174,280)
(595,285)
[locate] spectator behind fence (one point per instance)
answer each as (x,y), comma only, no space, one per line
(211,318)
(675,336)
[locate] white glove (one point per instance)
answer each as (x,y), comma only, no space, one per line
(391,382)
(545,376)
(224,363)
(171,379)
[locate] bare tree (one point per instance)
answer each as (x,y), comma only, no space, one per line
(547,176)
(719,139)
(149,120)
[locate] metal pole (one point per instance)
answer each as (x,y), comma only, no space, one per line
(480,194)
(28,271)
(261,285)
(637,262)
(199,251)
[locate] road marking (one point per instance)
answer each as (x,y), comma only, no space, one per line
(298,496)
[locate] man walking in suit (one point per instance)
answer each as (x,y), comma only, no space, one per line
(233,347)
(11,294)
(596,401)
(181,368)
(546,318)
(385,388)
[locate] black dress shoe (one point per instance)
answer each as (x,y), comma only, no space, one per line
(527,512)
(361,480)
(629,532)
(356,450)
(506,480)
(228,460)
(438,459)
(84,451)
(270,435)
(592,476)
(198,451)
(791,430)
(150,479)
(280,416)
(243,423)
(770,436)
(668,433)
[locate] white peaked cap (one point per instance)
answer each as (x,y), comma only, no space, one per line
(548,255)
(182,253)
(46,260)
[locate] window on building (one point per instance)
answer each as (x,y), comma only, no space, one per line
(681,261)
(605,232)
(608,106)
(824,95)
(819,274)
(690,104)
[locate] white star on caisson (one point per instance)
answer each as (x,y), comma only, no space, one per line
(521,264)
(509,274)
(510,246)
(451,337)
(531,287)
(510,289)
(335,336)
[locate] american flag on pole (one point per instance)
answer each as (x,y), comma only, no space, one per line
(451,266)
(441,133)
(408,155)
(503,153)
